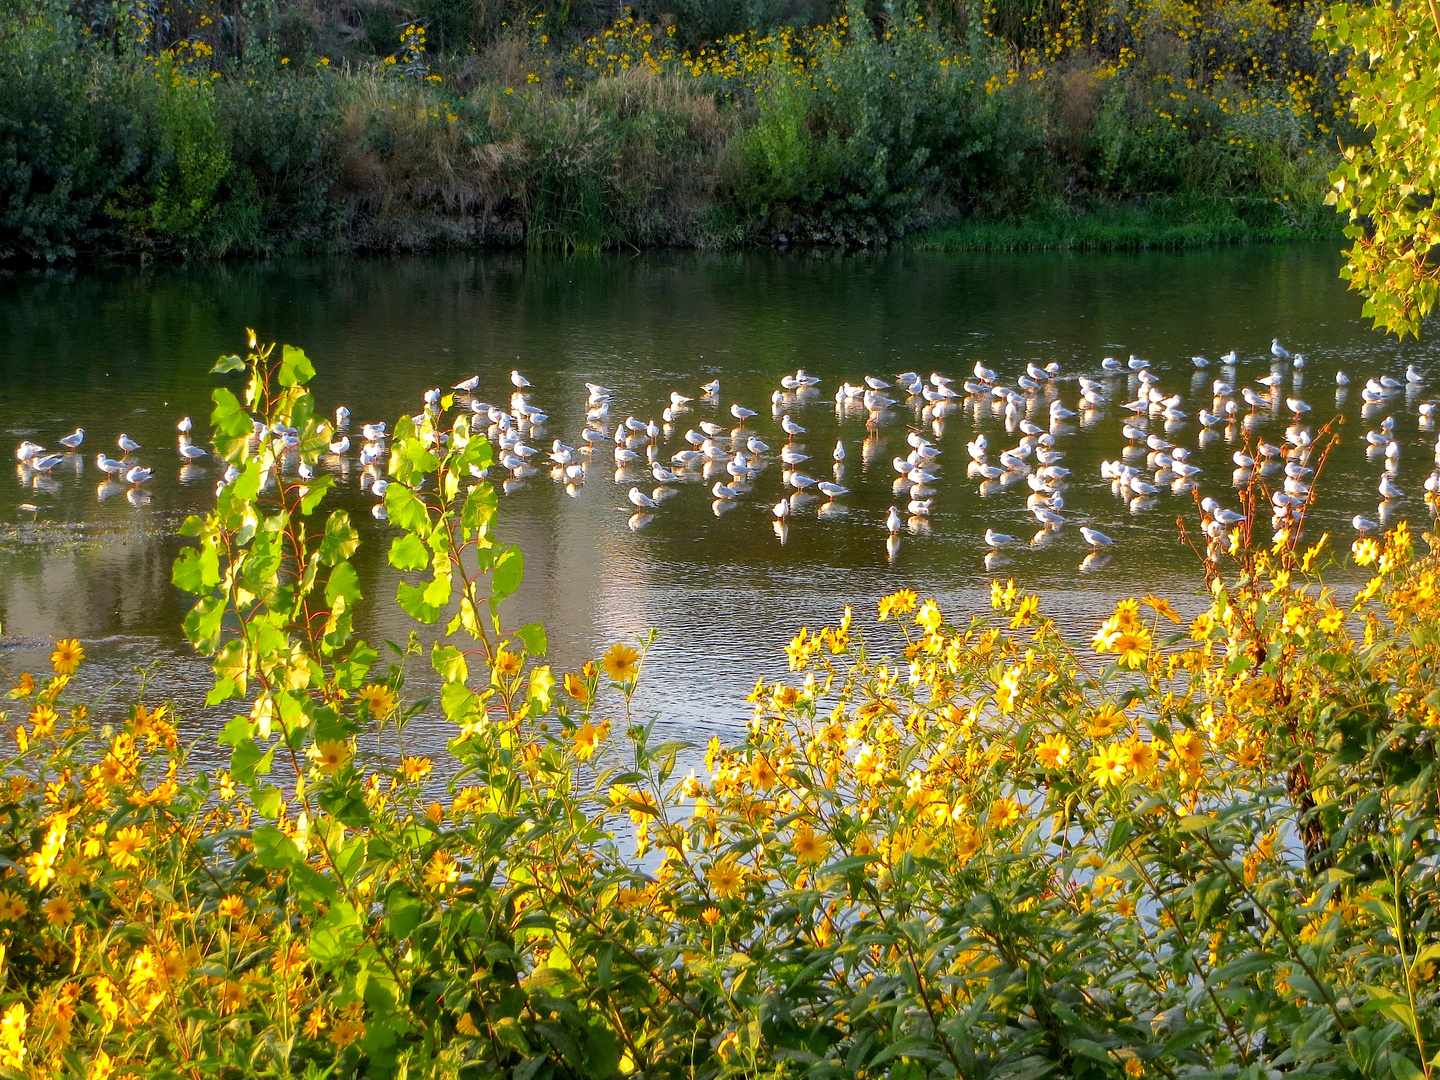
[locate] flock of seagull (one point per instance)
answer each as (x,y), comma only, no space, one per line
(36,465)
(731,457)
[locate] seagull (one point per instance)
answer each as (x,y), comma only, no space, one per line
(640,499)
(467,385)
(72,442)
(1341,379)
(790,427)
(1200,361)
(108,465)
(46,463)
(342,418)
(1412,376)
(1388,490)
(1095,538)
(996,540)
(741,414)
(1363,524)
(190,452)
(781,509)
(839,452)
(127,444)
(519,380)
(832,491)
(340,445)
(137,476)
(27,450)
(724,491)
(1296,406)
(712,388)
(892,521)
(304,470)
(1279,351)
(379,487)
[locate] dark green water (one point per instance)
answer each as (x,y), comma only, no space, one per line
(128,350)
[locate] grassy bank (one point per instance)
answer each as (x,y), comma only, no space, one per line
(1162,224)
(185,129)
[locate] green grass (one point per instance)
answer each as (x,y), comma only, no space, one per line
(1161,223)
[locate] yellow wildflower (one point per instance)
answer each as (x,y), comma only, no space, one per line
(126,842)
(67,656)
(727,879)
(621,662)
(1053,752)
(809,848)
(378,699)
(1108,766)
(588,737)
(898,603)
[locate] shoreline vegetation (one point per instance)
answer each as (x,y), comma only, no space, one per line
(205,129)
(1173,850)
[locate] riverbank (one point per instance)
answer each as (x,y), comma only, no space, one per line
(190,140)
(1157,225)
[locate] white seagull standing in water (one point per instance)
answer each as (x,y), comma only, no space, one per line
(640,499)
(73,441)
(127,445)
(1095,538)
(520,381)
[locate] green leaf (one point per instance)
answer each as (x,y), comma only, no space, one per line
(406,510)
(480,507)
(340,540)
(197,570)
(506,577)
(533,637)
(315,491)
(540,697)
(412,601)
(408,553)
(227,364)
(295,367)
(449,662)
(274,850)
(344,581)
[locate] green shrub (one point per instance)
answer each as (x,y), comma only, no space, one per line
(72,132)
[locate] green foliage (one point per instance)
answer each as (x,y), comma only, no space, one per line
(194,155)
(68,138)
(191,130)
(851,140)
(1387,185)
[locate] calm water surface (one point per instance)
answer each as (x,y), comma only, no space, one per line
(129,350)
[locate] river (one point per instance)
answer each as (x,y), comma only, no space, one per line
(129,350)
